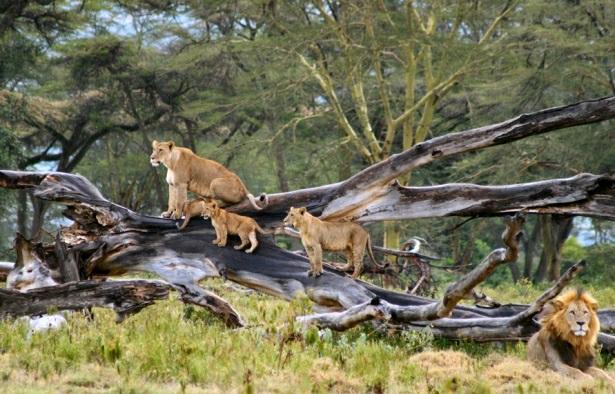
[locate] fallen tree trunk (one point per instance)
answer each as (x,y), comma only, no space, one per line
(111,240)
(107,239)
(366,195)
(519,326)
(124,297)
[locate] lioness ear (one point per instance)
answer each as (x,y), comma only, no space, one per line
(171,145)
(154,143)
(302,210)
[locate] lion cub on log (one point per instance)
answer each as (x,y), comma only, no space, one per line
(188,172)
(191,209)
(318,235)
(567,339)
(225,223)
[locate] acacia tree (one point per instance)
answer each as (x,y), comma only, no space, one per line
(384,67)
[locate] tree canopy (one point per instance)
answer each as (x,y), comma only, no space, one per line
(302,93)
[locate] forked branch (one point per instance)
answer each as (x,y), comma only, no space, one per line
(434,310)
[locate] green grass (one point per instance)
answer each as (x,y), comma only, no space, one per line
(170,347)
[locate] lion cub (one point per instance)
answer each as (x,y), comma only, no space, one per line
(191,209)
(318,235)
(226,223)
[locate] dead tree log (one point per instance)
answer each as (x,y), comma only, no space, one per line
(434,309)
(111,240)
(125,297)
(519,326)
(373,195)
(108,239)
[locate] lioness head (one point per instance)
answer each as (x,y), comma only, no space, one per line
(295,216)
(210,209)
(575,313)
(161,152)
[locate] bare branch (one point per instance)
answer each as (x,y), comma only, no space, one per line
(340,321)
(550,294)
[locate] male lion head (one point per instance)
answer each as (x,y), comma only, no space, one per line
(573,318)
(161,152)
(210,209)
(295,217)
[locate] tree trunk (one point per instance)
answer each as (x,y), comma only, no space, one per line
(529,247)
(555,229)
(39,208)
(546,233)
(515,272)
(280,163)
(22,211)
(125,297)
(109,239)
(562,226)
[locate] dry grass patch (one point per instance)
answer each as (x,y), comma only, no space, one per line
(328,376)
(444,363)
(508,374)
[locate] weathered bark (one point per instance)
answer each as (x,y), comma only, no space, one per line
(529,246)
(108,239)
(67,262)
(22,209)
(554,230)
(370,194)
(125,297)
(517,326)
(280,163)
(353,316)
(433,310)
(584,194)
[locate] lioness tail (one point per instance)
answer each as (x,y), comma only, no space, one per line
(263,197)
(371,253)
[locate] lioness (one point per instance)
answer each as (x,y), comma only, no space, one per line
(317,235)
(188,172)
(568,336)
(230,223)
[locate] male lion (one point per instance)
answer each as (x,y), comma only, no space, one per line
(230,223)
(318,235)
(188,172)
(568,335)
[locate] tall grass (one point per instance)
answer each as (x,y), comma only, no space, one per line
(170,347)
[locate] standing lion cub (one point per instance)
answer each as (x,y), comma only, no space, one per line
(226,223)
(318,235)
(188,172)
